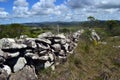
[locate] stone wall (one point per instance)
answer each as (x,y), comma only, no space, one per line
(22,56)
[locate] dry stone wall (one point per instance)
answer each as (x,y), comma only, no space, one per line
(23,56)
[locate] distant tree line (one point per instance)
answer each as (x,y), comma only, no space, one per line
(110,28)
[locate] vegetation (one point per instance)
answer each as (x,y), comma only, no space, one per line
(88,62)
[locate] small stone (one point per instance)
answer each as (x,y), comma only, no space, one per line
(47,64)
(53,67)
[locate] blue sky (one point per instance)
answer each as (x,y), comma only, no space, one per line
(22,11)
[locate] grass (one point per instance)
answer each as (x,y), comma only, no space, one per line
(88,63)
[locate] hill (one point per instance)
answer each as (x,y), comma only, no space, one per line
(98,23)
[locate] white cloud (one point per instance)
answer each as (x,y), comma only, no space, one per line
(21,8)
(3,13)
(74,4)
(69,10)
(43,7)
(47,7)
(107,4)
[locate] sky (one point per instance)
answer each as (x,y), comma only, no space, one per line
(25,11)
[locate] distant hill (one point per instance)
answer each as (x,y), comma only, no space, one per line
(68,24)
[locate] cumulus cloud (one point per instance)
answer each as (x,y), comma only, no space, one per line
(79,3)
(48,8)
(21,8)
(108,4)
(43,7)
(69,10)
(3,13)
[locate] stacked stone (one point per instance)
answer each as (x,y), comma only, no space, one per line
(25,54)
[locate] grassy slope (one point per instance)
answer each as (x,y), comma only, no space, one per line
(88,62)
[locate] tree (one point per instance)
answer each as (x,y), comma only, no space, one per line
(14,30)
(112,26)
(91,18)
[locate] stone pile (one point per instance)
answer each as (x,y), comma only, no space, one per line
(21,58)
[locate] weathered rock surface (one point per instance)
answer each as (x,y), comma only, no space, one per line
(27,73)
(20,64)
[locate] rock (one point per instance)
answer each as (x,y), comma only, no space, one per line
(44,35)
(62,59)
(31,43)
(6,42)
(56,47)
(7,69)
(62,53)
(43,52)
(43,47)
(20,64)
(14,46)
(12,55)
(57,40)
(3,54)
(68,40)
(95,36)
(61,36)
(51,56)
(32,56)
(2,60)
(43,41)
(23,36)
(66,46)
(53,67)
(63,41)
(46,57)
(48,64)
(3,75)
(27,73)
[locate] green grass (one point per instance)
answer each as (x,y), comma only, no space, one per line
(89,62)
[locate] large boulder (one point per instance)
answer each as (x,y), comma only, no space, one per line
(27,73)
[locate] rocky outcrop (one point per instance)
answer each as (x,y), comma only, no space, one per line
(20,58)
